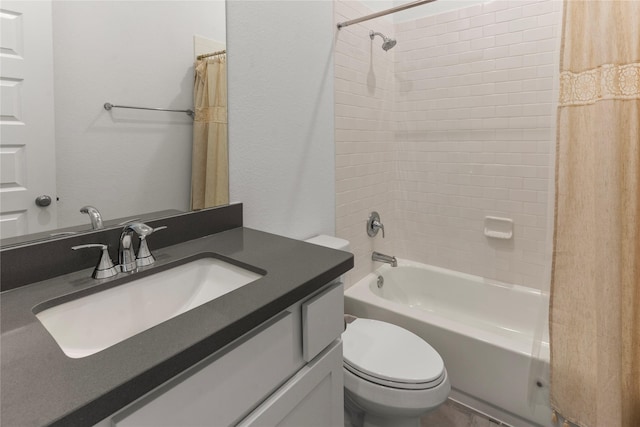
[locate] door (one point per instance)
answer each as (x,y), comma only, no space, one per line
(27,133)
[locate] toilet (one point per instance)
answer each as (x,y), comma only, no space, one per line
(391,376)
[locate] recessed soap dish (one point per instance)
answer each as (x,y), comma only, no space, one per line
(498,228)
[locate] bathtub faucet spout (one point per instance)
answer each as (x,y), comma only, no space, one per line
(377,256)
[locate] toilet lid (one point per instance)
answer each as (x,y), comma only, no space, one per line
(390,355)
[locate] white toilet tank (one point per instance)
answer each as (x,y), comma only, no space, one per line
(333,243)
(330,242)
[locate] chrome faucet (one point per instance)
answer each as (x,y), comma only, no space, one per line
(374,224)
(126,255)
(105,267)
(377,256)
(94,216)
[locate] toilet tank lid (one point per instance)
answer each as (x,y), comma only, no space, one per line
(330,242)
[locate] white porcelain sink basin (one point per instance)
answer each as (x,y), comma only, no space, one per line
(92,323)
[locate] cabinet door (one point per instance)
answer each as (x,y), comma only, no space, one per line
(311,398)
(224,388)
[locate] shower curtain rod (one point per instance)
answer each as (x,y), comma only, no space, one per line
(207,55)
(384,12)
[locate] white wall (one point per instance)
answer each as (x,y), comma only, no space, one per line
(280,108)
(474,104)
(137,53)
(434,8)
(281,123)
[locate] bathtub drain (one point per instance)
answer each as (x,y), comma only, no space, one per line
(380,281)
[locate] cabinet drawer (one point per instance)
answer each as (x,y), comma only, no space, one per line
(322,320)
(222,389)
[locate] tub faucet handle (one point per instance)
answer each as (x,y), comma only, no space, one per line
(374,224)
(378,225)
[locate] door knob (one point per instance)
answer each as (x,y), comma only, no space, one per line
(43,200)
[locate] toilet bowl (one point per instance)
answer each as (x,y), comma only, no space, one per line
(392,375)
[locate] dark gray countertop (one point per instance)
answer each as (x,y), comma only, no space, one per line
(40,385)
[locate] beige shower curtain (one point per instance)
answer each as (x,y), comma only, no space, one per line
(210,163)
(595,294)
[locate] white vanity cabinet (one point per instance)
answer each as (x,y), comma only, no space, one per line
(285,372)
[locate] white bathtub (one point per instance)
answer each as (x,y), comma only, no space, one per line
(492,336)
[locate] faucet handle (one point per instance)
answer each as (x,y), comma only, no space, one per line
(378,225)
(105,267)
(143,230)
(144,256)
(374,224)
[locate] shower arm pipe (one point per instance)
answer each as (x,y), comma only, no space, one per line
(384,12)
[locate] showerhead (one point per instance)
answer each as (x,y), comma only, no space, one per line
(387,43)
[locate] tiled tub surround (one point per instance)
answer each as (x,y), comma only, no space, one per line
(42,386)
(453,124)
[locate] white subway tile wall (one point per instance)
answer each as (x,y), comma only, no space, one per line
(456,123)
(365,131)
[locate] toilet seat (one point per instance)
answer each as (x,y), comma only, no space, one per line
(389,355)
(394,384)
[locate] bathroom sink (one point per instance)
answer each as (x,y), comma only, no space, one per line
(89,324)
